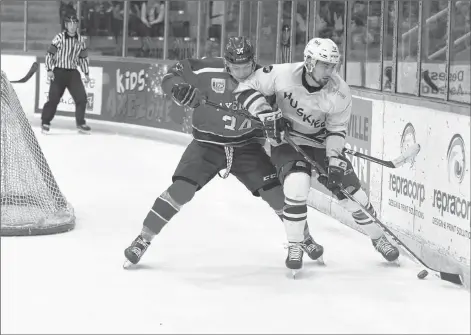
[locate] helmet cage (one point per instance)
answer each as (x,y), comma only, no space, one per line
(309,63)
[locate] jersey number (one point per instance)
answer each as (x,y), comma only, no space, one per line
(231,123)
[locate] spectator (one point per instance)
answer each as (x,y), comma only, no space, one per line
(147,20)
(152,15)
(285,43)
(117,19)
(329,21)
(101,18)
(135,17)
(359,35)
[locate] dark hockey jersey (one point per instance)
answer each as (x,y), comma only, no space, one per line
(210,124)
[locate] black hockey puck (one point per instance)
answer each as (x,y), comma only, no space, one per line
(422,274)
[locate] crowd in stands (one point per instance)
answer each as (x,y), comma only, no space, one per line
(105,18)
(146,25)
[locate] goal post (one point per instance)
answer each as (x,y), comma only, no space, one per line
(31,201)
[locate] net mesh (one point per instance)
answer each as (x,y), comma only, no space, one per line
(31,201)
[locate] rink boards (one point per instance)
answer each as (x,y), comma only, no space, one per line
(427,202)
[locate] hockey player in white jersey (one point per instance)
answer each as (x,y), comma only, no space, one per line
(314,100)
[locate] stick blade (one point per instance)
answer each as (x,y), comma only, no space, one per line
(407,155)
(28,76)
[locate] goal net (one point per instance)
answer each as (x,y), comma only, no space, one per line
(31,201)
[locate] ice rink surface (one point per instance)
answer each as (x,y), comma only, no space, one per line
(218,267)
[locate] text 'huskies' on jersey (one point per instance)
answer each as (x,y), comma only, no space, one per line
(211,124)
(321,112)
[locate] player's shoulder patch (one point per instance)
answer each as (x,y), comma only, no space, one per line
(258,67)
(267,69)
(178,67)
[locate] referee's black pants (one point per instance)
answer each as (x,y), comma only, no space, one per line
(70,79)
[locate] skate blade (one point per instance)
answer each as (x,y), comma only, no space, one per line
(127,265)
(320,260)
(395,263)
(45,132)
(294,273)
(84,132)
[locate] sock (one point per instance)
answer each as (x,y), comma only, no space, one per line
(306,226)
(306,231)
(367,224)
(147,234)
(294,218)
(163,210)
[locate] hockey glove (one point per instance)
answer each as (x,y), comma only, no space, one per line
(336,171)
(186,95)
(274,124)
(336,167)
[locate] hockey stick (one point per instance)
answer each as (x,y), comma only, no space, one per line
(410,153)
(28,76)
(403,158)
(205,101)
(452,277)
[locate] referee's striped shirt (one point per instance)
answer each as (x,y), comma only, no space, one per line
(67,52)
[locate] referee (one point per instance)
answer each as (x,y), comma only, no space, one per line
(67,51)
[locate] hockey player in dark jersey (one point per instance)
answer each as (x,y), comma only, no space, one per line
(222,139)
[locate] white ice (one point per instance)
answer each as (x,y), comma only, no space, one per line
(218,267)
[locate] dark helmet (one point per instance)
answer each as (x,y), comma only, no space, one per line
(71,18)
(239,50)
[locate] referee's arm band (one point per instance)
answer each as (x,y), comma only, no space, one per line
(52,49)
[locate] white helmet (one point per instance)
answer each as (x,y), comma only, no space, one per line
(320,49)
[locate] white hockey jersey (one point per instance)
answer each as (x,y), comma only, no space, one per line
(322,113)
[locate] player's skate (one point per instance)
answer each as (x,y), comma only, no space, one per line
(314,250)
(134,252)
(294,260)
(386,248)
(45,128)
(84,129)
